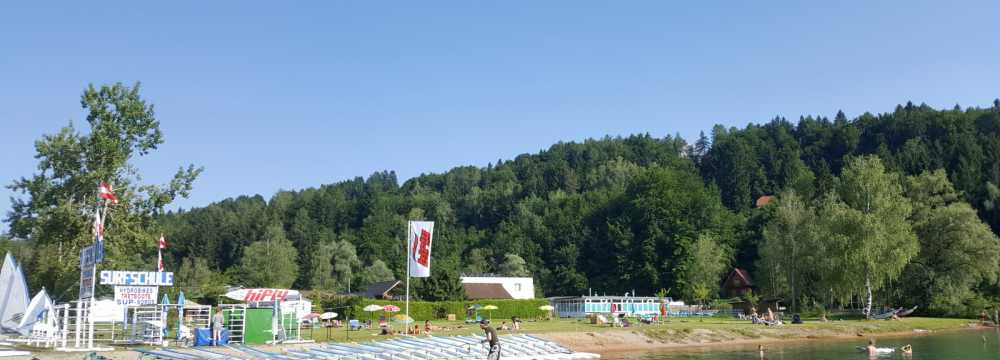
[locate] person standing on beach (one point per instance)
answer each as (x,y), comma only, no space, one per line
(491,337)
(217,327)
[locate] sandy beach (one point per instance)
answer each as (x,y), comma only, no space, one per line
(674,335)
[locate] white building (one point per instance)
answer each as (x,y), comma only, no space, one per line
(494,287)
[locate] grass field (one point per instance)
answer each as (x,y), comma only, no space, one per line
(676,330)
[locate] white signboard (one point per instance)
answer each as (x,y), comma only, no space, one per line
(137,278)
(251,295)
(136,295)
(107,311)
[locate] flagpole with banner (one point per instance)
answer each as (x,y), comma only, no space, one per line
(162,244)
(106,192)
(419,237)
(407,278)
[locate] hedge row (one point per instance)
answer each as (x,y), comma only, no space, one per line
(430,310)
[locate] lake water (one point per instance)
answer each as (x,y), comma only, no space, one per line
(957,345)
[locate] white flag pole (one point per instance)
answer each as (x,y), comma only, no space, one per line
(406,251)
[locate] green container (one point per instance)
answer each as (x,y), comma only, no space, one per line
(258,329)
(258,325)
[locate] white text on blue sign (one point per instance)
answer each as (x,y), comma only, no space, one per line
(137,278)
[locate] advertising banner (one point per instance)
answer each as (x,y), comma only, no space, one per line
(136,295)
(420,235)
(87,282)
(252,295)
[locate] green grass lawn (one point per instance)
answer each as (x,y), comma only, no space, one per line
(677,328)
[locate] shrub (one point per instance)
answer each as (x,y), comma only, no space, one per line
(430,310)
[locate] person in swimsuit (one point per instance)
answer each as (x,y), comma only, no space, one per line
(907,349)
(492,339)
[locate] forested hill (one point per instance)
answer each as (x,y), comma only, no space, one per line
(614,214)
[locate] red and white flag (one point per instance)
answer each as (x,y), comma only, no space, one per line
(98,236)
(104,191)
(159,253)
(98,226)
(420,235)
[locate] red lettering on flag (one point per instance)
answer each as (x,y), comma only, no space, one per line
(423,251)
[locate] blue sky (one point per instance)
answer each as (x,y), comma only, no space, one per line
(274,95)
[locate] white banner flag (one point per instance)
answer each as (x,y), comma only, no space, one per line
(419,247)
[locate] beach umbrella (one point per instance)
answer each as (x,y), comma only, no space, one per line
(390,308)
(402,318)
(164,302)
(475,309)
(547,308)
(180,313)
(328,316)
(490,308)
(371,309)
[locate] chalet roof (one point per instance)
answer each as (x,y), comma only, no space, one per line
(741,275)
(475,291)
(764,200)
(380,289)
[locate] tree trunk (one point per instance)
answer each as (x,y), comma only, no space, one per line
(868,303)
(795,295)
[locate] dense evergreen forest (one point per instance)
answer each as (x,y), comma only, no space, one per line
(904,204)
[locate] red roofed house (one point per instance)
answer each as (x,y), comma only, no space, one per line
(763,200)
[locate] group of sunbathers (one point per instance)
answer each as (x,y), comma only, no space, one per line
(768,319)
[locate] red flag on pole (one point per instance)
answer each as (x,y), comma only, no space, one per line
(105,192)
(159,253)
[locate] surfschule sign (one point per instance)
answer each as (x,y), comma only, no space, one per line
(137,278)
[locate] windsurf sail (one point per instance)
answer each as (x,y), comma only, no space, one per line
(36,311)
(13,294)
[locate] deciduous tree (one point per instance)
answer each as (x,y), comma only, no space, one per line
(57,204)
